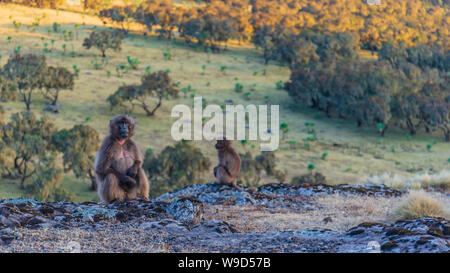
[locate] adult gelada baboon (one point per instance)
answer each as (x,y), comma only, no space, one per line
(229,167)
(118,164)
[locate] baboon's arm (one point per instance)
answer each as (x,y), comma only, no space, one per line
(233,166)
(138,158)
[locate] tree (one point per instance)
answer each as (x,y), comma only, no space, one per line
(175,167)
(78,145)
(163,13)
(263,39)
(393,53)
(104,39)
(122,15)
(27,73)
(436,112)
(30,140)
(7,89)
(6,154)
(46,183)
(55,80)
(157,84)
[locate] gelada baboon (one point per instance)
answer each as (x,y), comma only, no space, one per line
(229,167)
(118,164)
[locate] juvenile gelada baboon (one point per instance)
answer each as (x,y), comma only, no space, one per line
(229,167)
(118,164)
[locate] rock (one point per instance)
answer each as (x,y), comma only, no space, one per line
(52,108)
(10,221)
(187,210)
(273,195)
(87,218)
(35,220)
(7,235)
(215,226)
(166,224)
(419,235)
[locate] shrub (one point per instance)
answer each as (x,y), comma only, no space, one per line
(104,40)
(46,182)
(30,140)
(417,205)
(251,168)
(78,145)
(175,167)
(311,179)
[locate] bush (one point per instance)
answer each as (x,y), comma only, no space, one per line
(30,141)
(417,205)
(175,167)
(78,145)
(311,179)
(251,168)
(46,182)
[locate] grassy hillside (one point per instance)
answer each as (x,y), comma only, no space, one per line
(353,153)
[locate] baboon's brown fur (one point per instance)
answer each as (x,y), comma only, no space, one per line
(118,164)
(229,167)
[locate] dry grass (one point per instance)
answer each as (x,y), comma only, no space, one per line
(345,212)
(419,204)
(419,181)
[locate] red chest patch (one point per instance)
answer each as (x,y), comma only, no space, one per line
(123,153)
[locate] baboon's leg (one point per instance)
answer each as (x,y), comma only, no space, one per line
(143,185)
(223,177)
(110,190)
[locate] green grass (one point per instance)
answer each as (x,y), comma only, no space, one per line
(352,152)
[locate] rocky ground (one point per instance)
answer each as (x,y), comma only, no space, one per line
(213,218)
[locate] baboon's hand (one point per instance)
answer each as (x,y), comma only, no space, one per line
(127,182)
(133,171)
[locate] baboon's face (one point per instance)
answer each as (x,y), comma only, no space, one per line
(222,144)
(122,127)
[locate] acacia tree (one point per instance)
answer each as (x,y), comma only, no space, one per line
(175,167)
(27,73)
(30,140)
(55,80)
(78,145)
(104,40)
(157,85)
